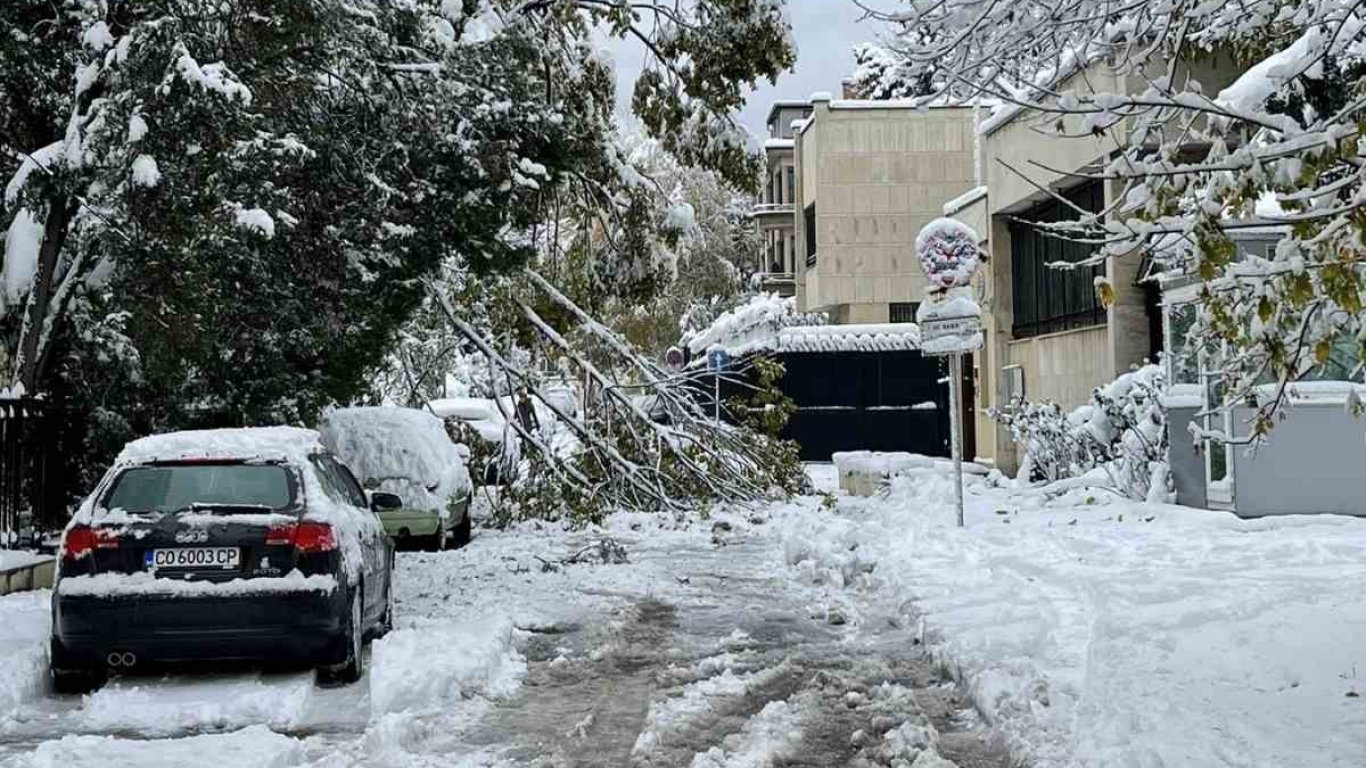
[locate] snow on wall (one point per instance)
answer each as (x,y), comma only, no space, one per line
(877,337)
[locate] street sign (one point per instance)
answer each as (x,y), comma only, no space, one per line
(673,359)
(950,336)
(718,360)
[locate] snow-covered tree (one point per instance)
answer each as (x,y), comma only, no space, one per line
(256,189)
(1227,114)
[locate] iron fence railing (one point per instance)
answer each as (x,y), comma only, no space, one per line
(30,500)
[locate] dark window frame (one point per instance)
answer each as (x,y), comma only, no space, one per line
(902,311)
(809,216)
(1047,299)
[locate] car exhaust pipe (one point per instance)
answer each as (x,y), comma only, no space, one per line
(126,659)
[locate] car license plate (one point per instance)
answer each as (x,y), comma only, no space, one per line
(216,558)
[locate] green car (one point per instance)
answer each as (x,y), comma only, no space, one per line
(416,476)
(422,527)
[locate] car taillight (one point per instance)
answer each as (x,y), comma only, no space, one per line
(304,537)
(82,540)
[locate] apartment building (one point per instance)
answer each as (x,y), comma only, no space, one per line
(774,212)
(868,176)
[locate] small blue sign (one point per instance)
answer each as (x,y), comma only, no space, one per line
(718,360)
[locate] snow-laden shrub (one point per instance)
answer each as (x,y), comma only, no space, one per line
(1122,431)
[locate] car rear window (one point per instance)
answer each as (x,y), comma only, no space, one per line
(173,487)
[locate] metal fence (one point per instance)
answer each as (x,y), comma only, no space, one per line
(30,499)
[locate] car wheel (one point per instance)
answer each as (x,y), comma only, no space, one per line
(353,666)
(436,542)
(462,531)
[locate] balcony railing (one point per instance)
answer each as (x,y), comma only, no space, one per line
(766,209)
(781,283)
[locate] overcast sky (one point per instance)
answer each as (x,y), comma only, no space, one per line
(825,31)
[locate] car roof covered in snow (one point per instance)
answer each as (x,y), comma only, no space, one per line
(267,443)
(389,443)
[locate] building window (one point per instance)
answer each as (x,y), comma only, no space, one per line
(902,311)
(792,184)
(810,218)
(1049,299)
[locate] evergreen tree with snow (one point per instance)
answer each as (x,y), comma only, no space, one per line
(223,212)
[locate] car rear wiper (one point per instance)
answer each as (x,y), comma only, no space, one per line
(225,506)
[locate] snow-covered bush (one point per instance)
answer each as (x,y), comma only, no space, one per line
(1122,431)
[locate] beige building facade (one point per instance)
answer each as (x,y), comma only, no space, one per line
(869,176)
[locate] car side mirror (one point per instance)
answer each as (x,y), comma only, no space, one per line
(381,501)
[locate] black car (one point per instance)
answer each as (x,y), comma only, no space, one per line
(257,546)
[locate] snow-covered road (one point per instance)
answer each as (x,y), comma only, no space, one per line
(702,650)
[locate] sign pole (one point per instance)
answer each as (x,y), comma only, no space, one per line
(716,395)
(955,431)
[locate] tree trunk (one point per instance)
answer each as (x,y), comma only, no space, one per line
(31,356)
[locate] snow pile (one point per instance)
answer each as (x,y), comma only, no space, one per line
(401,450)
(1119,439)
(187,703)
(423,666)
(772,734)
(23,648)
(254,747)
(751,327)
(697,703)
(1097,631)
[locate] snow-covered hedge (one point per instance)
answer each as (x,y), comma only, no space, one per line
(1122,433)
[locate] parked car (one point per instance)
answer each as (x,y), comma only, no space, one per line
(406,452)
(239,544)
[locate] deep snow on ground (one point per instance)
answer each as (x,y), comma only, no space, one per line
(1100,632)
(701,650)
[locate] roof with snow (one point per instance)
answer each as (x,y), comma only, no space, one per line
(287,443)
(875,337)
(754,324)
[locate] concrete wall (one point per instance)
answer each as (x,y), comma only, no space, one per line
(877,175)
(1063,367)
(1313,462)
(37,575)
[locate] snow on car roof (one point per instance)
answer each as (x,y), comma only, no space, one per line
(287,443)
(464,408)
(389,443)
